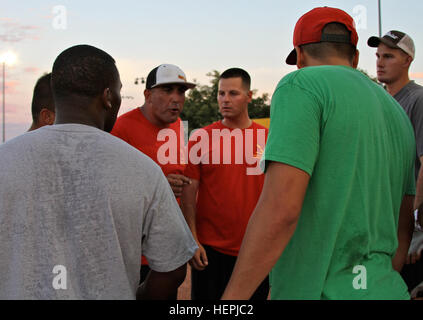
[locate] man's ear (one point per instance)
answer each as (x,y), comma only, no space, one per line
(46,117)
(356,59)
(147,94)
(408,61)
(107,98)
(301,58)
(250,95)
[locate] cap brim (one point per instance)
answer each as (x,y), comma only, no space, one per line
(375,41)
(292,58)
(189,85)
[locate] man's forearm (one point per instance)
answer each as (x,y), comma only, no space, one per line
(405,232)
(189,205)
(189,214)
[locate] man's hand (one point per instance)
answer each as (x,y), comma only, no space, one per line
(177,182)
(416,248)
(199,260)
(414,257)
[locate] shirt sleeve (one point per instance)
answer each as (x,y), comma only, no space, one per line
(167,241)
(417,121)
(294,134)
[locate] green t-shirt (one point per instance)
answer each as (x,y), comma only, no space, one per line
(357,144)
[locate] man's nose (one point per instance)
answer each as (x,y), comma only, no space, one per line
(177,97)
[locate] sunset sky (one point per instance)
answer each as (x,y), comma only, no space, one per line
(198,36)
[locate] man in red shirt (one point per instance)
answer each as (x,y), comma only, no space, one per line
(226,184)
(146,127)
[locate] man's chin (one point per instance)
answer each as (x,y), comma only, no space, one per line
(384,80)
(226,114)
(172,119)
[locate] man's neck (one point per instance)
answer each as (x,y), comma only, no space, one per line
(329,61)
(395,87)
(241,122)
(73,116)
(33,127)
(80,110)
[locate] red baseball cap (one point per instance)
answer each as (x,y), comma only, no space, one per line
(309,29)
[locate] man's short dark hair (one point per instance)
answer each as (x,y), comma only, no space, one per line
(322,50)
(237,73)
(82,70)
(42,97)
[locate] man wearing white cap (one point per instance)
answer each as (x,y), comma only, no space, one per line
(395,53)
(164,100)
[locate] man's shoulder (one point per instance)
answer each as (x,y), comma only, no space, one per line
(131,114)
(126,121)
(313,74)
(116,151)
(18,141)
(214,125)
(257,126)
(415,85)
(410,96)
(416,90)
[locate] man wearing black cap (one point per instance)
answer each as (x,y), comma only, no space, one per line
(339,166)
(395,53)
(141,127)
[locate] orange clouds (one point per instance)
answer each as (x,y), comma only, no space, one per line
(13,31)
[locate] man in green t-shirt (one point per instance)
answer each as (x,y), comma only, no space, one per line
(334,220)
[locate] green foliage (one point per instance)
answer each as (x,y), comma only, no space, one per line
(259,107)
(201,108)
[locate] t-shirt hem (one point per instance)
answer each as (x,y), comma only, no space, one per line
(173,264)
(289,161)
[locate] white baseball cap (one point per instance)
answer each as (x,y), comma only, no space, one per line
(167,74)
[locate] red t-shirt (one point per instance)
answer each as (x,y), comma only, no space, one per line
(134,128)
(229,186)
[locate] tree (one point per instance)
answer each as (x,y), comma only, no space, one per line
(201,108)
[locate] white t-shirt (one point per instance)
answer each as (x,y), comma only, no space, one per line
(78,208)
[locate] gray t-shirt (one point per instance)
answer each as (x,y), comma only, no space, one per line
(410,97)
(78,208)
